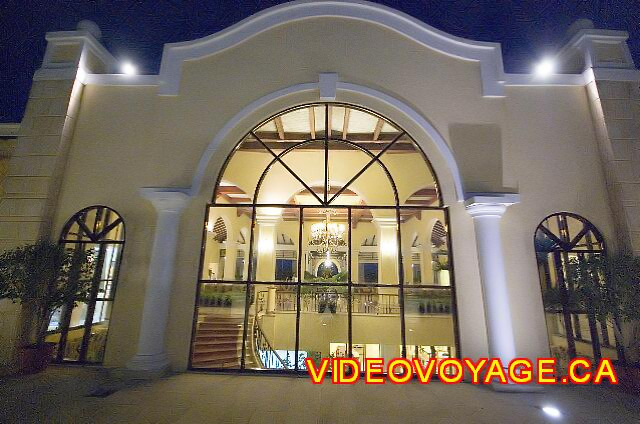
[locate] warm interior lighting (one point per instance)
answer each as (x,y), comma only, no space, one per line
(389,247)
(128,69)
(545,68)
(327,236)
(552,411)
(265,245)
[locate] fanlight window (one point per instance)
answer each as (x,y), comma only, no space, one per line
(362,159)
(331,198)
(80,332)
(563,241)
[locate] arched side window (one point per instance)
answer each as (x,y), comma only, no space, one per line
(81,331)
(332,197)
(563,241)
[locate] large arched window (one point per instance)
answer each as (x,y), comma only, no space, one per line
(325,208)
(81,331)
(563,241)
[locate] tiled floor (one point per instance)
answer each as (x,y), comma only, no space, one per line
(60,395)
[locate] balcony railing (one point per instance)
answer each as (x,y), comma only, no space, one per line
(362,303)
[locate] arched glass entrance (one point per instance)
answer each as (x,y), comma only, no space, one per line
(326,237)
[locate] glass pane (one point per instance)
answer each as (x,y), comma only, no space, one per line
(76,332)
(425,252)
(271,336)
(95,223)
(275,249)
(323,323)
(242,172)
(227,243)
(345,161)
(374,246)
(281,187)
(607,340)
(98,338)
(325,234)
(307,162)
(558,342)
(414,179)
(376,328)
(294,126)
(370,131)
(429,327)
(374,187)
(220,322)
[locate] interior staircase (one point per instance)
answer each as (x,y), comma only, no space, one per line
(218,342)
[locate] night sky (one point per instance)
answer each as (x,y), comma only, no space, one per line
(138,29)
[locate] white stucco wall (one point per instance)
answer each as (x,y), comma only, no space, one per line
(131,137)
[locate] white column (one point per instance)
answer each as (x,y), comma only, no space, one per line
(487,210)
(169,204)
(231,258)
(387,250)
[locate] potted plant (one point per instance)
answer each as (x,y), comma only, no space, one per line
(609,288)
(227,301)
(43,277)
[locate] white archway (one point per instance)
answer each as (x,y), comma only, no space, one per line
(441,146)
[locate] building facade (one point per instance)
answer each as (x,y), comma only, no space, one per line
(325,179)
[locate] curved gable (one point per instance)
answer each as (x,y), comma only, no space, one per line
(488,55)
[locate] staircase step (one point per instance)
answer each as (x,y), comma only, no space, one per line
(217,356)
(219,328)
(226,350)
(223,318)
(215,364)
(217,341)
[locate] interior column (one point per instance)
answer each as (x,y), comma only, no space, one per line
(266,266)
(231,258)
(151,354)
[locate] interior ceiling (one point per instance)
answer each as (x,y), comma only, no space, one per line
(365,129)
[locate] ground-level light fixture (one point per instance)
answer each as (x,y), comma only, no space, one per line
(552,411)
(128,68)
(545,68)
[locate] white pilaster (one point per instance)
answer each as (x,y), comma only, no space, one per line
(387,250)
(151,355)
(487,210)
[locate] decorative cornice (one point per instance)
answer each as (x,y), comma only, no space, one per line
(165,199)
(121,79)
(490,204)
(489,55)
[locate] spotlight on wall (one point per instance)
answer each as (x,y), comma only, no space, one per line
(552,411)
(545,68)
(128,68)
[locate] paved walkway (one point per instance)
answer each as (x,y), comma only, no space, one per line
(65,394)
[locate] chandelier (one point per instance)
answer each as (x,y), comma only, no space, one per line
(327,235)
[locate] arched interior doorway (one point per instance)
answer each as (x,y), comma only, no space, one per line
(563,242)
(313,188)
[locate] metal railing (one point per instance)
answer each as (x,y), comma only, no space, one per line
(263,352)
(362,303)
